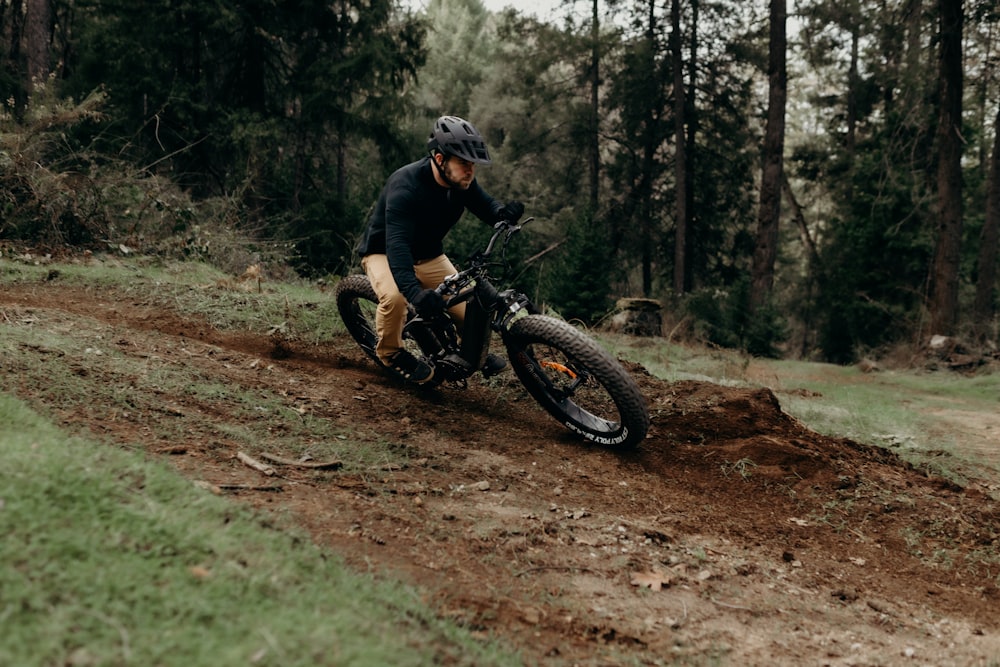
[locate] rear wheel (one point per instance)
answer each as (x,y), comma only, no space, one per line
(357,303)
(577,381)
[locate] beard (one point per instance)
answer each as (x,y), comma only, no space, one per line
(457,178)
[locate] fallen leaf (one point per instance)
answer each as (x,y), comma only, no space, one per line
(653,580)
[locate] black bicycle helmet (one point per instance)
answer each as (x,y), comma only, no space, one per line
(453,136)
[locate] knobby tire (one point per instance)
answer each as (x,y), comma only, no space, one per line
(569,374)
(576,381)
(356,303)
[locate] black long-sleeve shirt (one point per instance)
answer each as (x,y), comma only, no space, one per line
(412,216)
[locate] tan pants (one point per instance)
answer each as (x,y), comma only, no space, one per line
(391,314)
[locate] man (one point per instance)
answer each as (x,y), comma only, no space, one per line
(402,249)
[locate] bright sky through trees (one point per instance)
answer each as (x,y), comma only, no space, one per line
(542,9)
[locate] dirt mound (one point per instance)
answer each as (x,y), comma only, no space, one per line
(733,535)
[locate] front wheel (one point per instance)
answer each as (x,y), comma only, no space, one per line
(577,381)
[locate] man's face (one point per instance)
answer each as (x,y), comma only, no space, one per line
(458,171)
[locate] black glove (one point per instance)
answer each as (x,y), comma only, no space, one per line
(512,211)
(428,303)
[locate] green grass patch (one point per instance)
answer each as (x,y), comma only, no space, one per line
(109,558)
(296,310)
(88,371)
(898,409)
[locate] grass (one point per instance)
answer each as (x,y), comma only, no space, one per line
(109,558)
(901,410)
(107,383)
(912,411)
(296,309)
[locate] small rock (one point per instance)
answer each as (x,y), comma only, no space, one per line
(846,594)
(483,486)
(868,366)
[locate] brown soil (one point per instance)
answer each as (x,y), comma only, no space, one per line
(734,535)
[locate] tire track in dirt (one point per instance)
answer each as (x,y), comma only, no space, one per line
(772,544)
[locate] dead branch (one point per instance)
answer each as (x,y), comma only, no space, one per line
(316,465)
(249,487)
(255,464)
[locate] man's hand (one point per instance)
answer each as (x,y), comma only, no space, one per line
(512,211)
(428,303)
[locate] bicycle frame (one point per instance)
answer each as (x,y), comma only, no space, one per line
(486,310)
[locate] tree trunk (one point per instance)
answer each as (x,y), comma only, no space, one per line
(766,249)
(983,102)
(680,158)
(853,80)
(37,39)
(987,276)
(815,267)
(16,62)
(649,147)
(595,110)
(947,254)
(691,118)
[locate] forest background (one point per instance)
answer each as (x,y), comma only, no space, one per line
(817,181)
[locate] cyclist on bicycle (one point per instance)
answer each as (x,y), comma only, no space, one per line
(402,249)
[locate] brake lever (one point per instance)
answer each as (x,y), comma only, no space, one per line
(513,229)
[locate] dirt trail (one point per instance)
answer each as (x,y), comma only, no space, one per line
(733,536)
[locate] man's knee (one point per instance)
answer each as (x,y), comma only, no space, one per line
(393,302)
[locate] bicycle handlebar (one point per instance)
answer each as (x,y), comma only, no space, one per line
(510,227)
(479,259)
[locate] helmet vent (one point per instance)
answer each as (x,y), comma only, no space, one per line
(454,136)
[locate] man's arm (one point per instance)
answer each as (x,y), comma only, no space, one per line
(400,229)
(482,205)
(487,209)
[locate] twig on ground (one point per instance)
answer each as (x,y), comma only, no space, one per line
(249,487)
(218,489)
(557,567)
(255,464)
(319,465)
